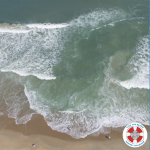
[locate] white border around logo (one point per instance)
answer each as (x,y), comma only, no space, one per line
(135,135)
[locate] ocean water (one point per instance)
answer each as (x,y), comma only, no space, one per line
(80,64)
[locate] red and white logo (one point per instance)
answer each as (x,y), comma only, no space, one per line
(135,135)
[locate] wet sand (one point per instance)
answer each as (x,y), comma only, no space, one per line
(36,131)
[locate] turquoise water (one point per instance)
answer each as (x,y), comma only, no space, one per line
(80,64)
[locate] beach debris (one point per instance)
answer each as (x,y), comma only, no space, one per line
(33,145)
(108,137)
(68,128)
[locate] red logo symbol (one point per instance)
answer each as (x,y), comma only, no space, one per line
(135,135)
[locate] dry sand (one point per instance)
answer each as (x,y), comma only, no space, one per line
(36,131)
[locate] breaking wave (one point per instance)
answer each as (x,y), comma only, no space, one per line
(96,87)
(139,66)
(33,49)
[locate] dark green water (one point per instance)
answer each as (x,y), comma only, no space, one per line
(80,64)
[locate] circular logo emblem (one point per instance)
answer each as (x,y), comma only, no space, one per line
(134,135)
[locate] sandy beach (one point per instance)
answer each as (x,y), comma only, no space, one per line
(36,131)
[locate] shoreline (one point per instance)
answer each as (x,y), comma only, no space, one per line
(37,132)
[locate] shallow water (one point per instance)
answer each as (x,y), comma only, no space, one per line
(81,65)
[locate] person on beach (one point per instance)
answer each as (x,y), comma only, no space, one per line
(108,137)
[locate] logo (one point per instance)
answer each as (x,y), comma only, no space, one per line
(134,135)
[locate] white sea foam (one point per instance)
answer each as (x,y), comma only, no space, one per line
(4,30)
(140,67)
(70,111)
(13,101)
(113,109)
(99,17)
(36,52)
(25,28)
(21,73)
(47,26)
(138,81)
(117,21)
(13,29)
